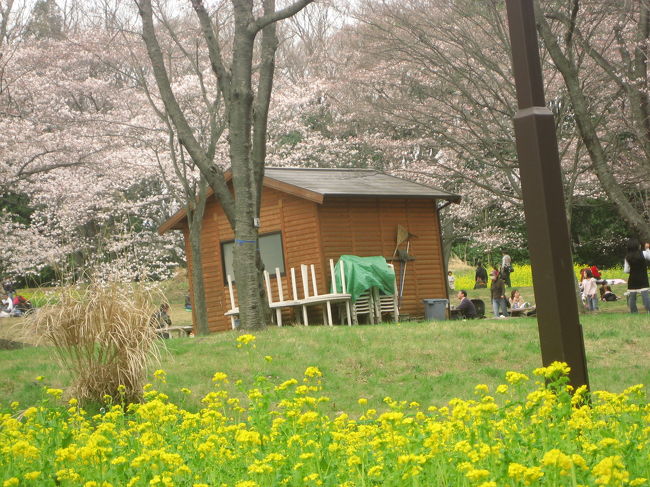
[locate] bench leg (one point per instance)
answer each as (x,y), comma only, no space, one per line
(278,316)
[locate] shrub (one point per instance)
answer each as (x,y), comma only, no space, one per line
(102,335)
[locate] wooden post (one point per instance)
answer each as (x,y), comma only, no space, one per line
(560,331)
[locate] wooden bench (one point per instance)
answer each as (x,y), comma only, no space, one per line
(519,312)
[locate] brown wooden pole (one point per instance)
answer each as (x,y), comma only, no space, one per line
(560,331)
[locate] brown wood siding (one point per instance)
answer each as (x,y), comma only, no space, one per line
(368,227)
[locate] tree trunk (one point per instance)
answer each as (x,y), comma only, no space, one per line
(195,220)
(251,313)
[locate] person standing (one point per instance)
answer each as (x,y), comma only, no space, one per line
(498,294)
(590,290)
(636,265)
(451,280)
(480,277)
(506,268)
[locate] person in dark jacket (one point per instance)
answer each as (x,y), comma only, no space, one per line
(8,286)
(466,307)
(480,277)
(498,294)
(636,265)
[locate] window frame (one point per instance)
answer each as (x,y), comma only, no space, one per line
(223,243)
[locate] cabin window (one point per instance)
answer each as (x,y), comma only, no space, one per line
(270,248)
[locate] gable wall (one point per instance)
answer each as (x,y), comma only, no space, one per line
(368,227)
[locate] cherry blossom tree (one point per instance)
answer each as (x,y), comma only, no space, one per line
(76,141)
(432,83)
(608,43)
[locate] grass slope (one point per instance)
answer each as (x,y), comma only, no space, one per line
(428,362)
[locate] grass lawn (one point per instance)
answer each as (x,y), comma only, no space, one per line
(429,362)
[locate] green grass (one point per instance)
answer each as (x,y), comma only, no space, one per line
(429,363)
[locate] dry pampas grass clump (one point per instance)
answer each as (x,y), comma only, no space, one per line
(103,336)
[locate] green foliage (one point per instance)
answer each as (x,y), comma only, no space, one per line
(291,138)
(46,21)
(598,234)
(17,205)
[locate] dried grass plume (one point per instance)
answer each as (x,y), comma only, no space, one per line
(102,335)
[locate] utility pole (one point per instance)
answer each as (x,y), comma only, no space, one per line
(560,331)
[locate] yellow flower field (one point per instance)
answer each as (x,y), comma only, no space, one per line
(523,276)
(525,432)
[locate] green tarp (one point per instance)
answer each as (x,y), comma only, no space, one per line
(362,273)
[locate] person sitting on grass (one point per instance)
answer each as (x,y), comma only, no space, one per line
(22,305)
(161,320)
(517,301)
(606,293)
(466,307)
(6,306)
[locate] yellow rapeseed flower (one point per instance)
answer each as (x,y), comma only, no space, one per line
(55,393)
(245,340)
(611,471)
(161,375)
(553,371)
(220,377)
(312,372)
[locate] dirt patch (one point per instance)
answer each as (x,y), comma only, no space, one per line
(11,345)
(457,265)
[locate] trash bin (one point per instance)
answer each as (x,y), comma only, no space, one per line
(435,309)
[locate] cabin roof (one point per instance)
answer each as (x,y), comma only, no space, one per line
(354,182)
(316,184)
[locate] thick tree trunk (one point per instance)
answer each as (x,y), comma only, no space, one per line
(251,304)
(195,220)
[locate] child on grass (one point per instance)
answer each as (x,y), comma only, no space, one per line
(590,290)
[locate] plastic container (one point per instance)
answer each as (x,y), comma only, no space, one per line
(435,309)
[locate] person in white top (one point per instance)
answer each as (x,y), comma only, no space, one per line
(451,280)
(590,290)
(7,304)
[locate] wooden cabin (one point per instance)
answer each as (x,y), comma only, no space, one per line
(309,216)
